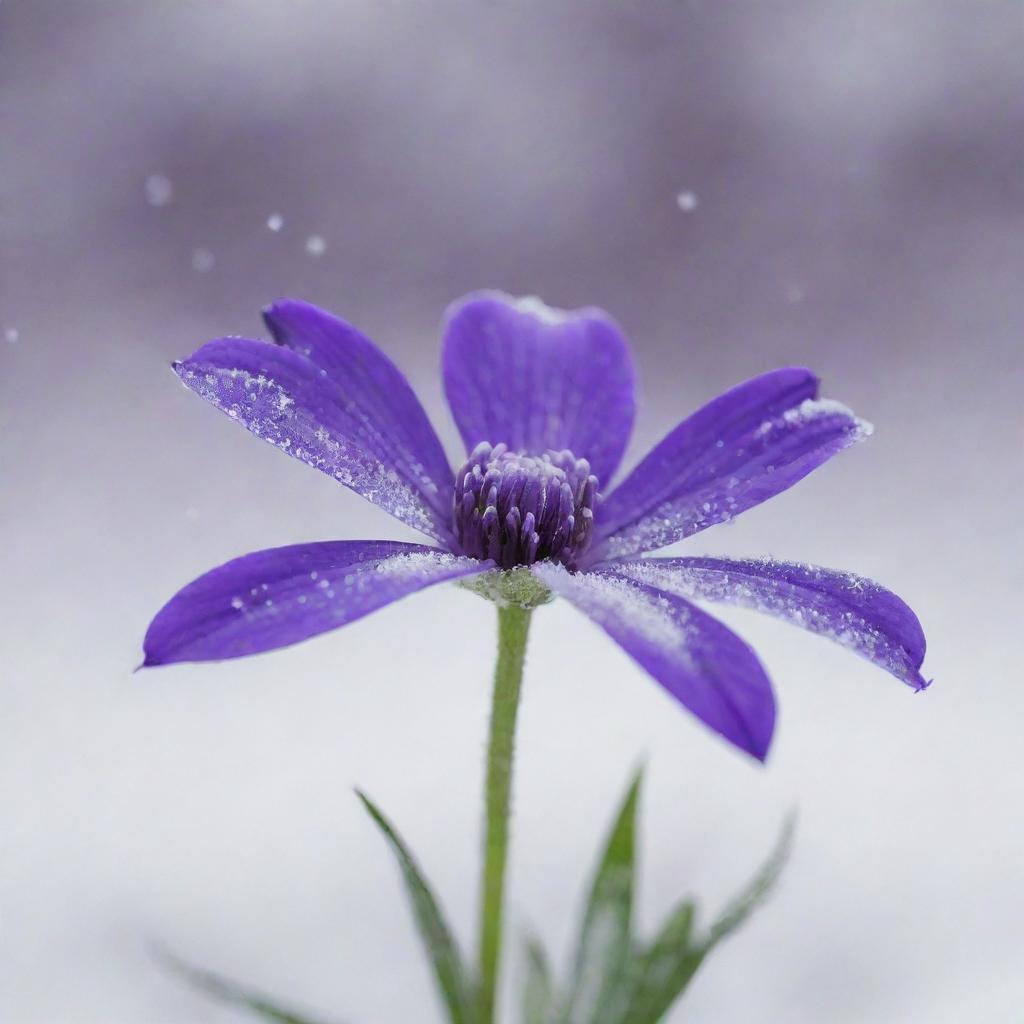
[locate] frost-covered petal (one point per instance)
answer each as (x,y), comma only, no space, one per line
(374,390)
(517,372)
(291,402)
(851,610)
(704,665)
(740,449)
(274,598)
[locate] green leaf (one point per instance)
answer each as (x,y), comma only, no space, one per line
(538,992)
(603,956)
(664,969)
(740,909)
(451,976)
(228,991)
(663,972)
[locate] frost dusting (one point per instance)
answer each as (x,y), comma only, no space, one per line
(621,607)
(537,307)
(730,476)
(274,598)
(343,590)
(850,610)
(695,658)
(402,568)
(266,409)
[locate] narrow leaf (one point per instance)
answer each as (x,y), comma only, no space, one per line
(538,993)
(437,937)
(737,912)
(603,955)
(664,969)
(669,964)
(228,991)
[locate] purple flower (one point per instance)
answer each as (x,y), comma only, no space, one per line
(544,401)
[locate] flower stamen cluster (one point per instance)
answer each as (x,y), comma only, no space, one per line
(519,509)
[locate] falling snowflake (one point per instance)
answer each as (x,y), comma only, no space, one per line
(202,260)
(159,190)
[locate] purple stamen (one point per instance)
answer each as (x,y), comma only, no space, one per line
(518,509)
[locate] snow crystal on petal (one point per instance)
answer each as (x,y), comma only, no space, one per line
(852,611)
(698,660)
(419,563)
(614,601)
(811,409)
(267,410)
(538,308)
(728,477)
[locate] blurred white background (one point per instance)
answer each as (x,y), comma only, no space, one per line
(858,183)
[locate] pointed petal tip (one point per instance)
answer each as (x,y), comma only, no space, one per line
(203,621)
(758,747)
(796,375)
(862,429)
(279,315)
(271,316)
(757,734)
(805,371)
(182,367)
(275,307)
(281,302)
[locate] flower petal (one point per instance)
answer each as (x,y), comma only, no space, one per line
(742,448)
(534,378)
(292,403)
(374,389)
(699,661)
(851,610)
(274,598)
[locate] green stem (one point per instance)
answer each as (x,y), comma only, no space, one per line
(513,627)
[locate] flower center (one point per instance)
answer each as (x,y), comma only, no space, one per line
(520,509)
